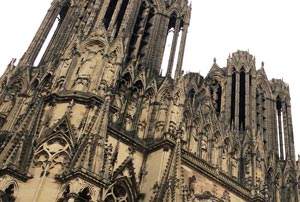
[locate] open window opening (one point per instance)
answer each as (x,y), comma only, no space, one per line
(242,112)
(120,17)
(168,44)
(109,13)
(52,33)
(8,194)
(84,195)
(118,192)
(280,131)
(232,108)
(137,28)
(146,36)
(177,51)
(219,100)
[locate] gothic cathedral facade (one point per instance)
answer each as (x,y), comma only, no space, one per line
(97,121)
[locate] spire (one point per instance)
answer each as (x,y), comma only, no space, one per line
(17,152)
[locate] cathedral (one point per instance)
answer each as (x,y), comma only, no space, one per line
(97,120)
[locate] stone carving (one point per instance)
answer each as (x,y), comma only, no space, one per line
(161,117)
(144,116)
(191,185)
(52,155)
(109,70)
(225,150)
(203,146)
(131,109)
(64,67)
(88,63)
(7,103)
(234,164)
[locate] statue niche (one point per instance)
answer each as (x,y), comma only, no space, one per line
(109,70)
(175,113)
(130,112)
(161,116)
(7,104)
(234,163)
(89,61)
(194,140)
(10,98)
(204,146)
(64,67)
(225,155)
(144,116)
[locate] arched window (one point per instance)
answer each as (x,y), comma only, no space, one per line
(119,192)
(171,49)
(232,111)
(280,131)
(8,194)
(242,100)
(84,195)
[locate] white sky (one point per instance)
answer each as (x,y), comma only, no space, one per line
(269,29)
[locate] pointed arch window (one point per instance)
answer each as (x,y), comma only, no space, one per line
(280,130)
(172,46)
(84,195)
(52,32)
(119,192)
(8,194)
(109,13)
(54,150)
(242,101)
(233,91)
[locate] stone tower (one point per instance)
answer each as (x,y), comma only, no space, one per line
(97,121)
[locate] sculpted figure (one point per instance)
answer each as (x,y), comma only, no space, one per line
(86,68)
(131,109)
(143,117)
(161,118)
(225,158)
(109,70)
(87,64)
(6,104)
(145,109)
(234,165)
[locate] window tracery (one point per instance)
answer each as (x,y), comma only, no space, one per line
(53,154)
(118,193)
(8,194)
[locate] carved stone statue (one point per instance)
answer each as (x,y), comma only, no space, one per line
(161,117)
(204,146)
(109,70)
(144,116)
(86,69)
(191,185)
(87,64)
(131,109)
(7,104)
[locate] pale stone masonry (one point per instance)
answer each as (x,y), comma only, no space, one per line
(97,121)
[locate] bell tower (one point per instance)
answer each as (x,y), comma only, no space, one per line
(56,114)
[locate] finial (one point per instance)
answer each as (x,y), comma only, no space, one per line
(215,60)
(262,64)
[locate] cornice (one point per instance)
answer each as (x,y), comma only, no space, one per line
(15,173)
(215,174)
(85,175)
